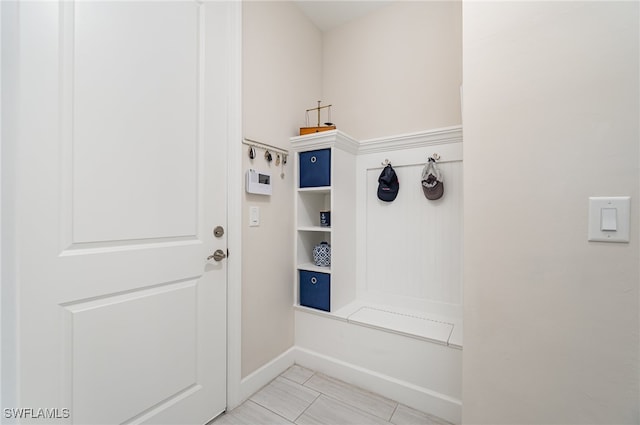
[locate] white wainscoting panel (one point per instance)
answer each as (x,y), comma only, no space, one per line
(415,372)
(413,246)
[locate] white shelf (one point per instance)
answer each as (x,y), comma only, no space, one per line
(319,189)
(309,205)
(313,268)
(314,229)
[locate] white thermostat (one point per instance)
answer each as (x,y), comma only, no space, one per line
(258,182)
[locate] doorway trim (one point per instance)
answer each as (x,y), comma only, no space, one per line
(234,208)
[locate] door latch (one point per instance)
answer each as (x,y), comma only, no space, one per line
(218,255)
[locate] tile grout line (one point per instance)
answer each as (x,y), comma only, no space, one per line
(394,411)
(307,380)
(356,407)
(301,384)
(320,393)
(266,408)
(328,378)
(307,408)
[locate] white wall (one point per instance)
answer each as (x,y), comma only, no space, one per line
(551,108)
(396,70)
(281,78)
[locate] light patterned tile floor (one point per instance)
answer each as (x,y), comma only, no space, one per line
(302,397)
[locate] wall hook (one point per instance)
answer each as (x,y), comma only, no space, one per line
(267,156)
(252,152)
(386,162)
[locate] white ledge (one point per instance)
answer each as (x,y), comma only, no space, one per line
(436,329)
(436,136)
(347,143)
(325,139)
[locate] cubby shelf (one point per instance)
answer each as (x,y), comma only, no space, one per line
(338,151)
(314,229)
(320,189)
(313,268)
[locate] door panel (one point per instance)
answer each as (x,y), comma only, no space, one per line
(121,179)
(131,364)
(134,154)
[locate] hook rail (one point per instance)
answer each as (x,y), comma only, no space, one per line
(255,143)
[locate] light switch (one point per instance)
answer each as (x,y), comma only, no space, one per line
(609,219)
(254,216)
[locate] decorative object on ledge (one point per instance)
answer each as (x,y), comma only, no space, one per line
(318,128)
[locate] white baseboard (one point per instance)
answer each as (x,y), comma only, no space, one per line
(409,394)
(267,373)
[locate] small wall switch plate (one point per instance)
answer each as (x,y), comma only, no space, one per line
(254,216)
(609,218)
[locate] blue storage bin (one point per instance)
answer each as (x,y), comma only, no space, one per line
(315,290)
(315,168)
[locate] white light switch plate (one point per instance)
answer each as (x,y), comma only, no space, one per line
(622,207)
(254,216)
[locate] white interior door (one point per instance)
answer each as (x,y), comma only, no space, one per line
(121,179)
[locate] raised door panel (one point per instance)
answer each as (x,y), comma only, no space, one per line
(132,351)
(134,154)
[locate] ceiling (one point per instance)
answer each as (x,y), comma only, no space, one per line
(328,14)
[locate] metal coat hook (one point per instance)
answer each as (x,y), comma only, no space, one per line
(435,157)
(386,162)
